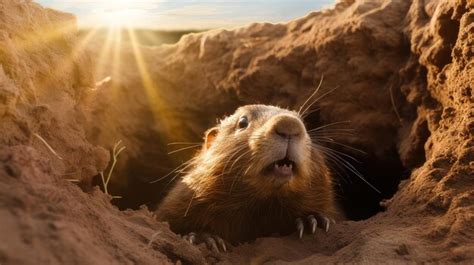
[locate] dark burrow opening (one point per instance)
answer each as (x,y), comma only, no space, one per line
(358,200)
(146,178)
(367,181)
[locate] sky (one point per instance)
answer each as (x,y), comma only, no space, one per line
(184,14)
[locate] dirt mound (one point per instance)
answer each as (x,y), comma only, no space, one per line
(404,72)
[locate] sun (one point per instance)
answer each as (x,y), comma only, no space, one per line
(120,13)
(121,18)
(109,33)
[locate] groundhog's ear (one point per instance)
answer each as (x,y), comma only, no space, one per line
(210,136)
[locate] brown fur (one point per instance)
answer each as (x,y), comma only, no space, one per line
(225,192)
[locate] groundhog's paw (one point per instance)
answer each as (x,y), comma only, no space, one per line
(313,221)
(213,242)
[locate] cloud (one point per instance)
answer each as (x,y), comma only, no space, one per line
(71,5)
(193,10)
(182,14)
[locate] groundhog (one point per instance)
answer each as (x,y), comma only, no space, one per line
(257,174)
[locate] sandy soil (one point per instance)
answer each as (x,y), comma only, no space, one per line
(405,71)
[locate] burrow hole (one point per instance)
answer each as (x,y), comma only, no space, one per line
(357,199)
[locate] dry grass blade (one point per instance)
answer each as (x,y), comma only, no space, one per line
(153,238)
(105,180)
(48,146)
(73,180)
(392,99)
(103,81)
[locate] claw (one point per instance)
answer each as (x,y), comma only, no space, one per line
(326,224)
(324,221)
(221,243)
(211,243)
(313,222)
(299,227)
(191,238)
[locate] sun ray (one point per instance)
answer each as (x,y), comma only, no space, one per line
(117,59)
(68,64)
(156,103)
(116,75)
(105,54)
(82,44)
(29,40)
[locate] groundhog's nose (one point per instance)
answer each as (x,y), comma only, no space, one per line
(287,126)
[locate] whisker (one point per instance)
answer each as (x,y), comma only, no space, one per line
(234,153)
(237,159)
(320,97)
(312,95)
(189,205)
(337,152)
(184,148)
(188,162)
(184,143)
(328,125)
(308,113)
(238,175)
(333,134)
(336,163)
(341,161)
(179,172)
(336,130)
(319,138)
(344,145)
(350,167)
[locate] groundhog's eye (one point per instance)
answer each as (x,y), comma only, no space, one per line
(243,122)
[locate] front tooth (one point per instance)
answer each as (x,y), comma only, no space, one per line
(291,166)
(276,166)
